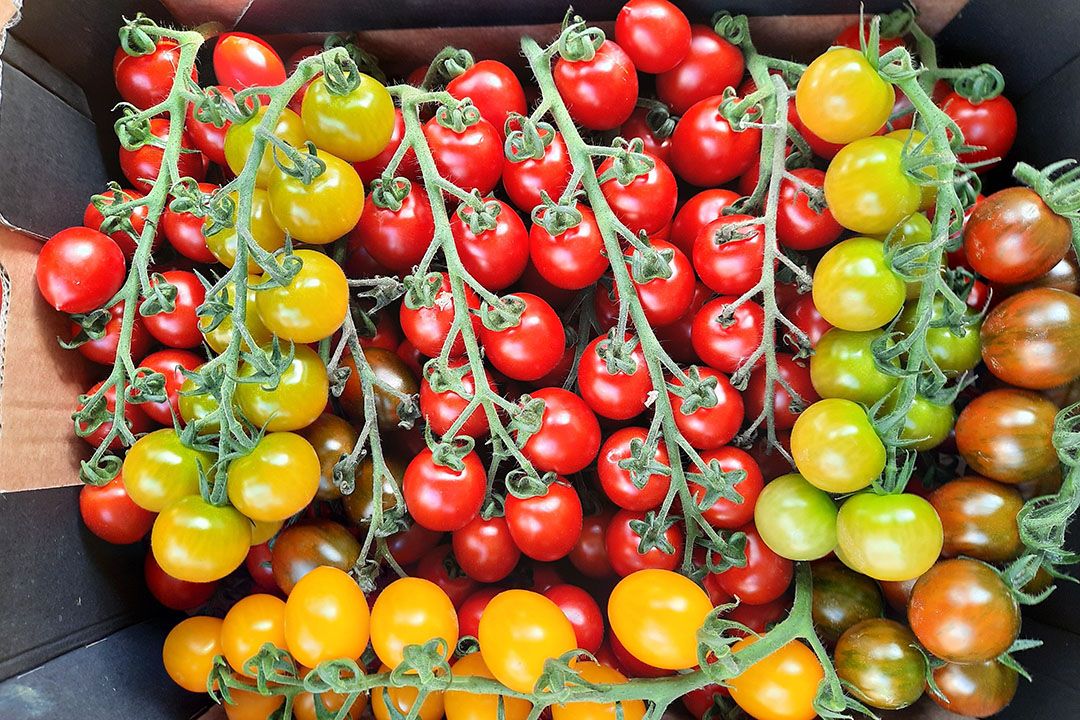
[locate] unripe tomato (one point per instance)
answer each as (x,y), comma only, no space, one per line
(795,519)
(159,469)
(195,541)
(298,399)
(835,447)
(867,189)
(888,537)
(264,230)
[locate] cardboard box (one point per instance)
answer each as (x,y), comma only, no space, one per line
(79,635)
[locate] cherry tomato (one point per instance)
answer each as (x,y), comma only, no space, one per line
(223,242)
(655,142)
(519,631)
(569,435)
(724,513)
(622,542)
(866,188)
(158,470)
(795,519)
(441,567)
(184,231)
(145,80)
(410,545)
(496,257)
(373,168)
(441,409)
(880,660)
(198,542)
(545,527)
(654,33)
(242,61)
(402,700)
(471,159)
(470,611)
(620,395)
(172,593)
(180,327)
(764,578)
(251,622)
(444,498)
(978,518)
(126,240)
(799,224)
(320,211)
(841,98)
(1028,340)
(525,177)
(954,351)
(219,338)
(711,65)
(1014,237)
(428,327)
(835,447)
(485,549)
(990,125)
(355,126)
(696,213)
(295,403)
(312,306)
(79,269)
(705,150)
(103,349)
(854,287)
(857,35)
(842,598)
(975,689)
(469,706)
(411,611)
(888,537)
(728,254)
(240,137)
(142,165)
(171,364)
(110,514)
(600,92)
(208,138)
(305,703)
(655,614)
(619,483)
(573,259)
(1005,435)
(780,686)
(709,427)
(326,618)
(259,564)
(494,89)
(134,417)
(396,239)
(589,555)
(843,366)
(276,480)
(664,300)
(530,349)
(582,612)
(645,204)
(189,651)
(304,546)
(786,409)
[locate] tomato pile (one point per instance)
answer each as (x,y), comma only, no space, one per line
(482,397)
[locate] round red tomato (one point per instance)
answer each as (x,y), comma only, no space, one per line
(764,578)
(440,567)
(696,213)
(470,611)
(600,92)
(569,434)
(647,202)
(93,218)
(442,409)
(804,314)
(179,328)
(110,514)
(584,614)
(1013,236)
(242,61)
(497,257)
(444,498)
(617,481)
(136,419)
(208,138)
(142,165)
(706,151)
(990,124)
(471,159)
(103,349)
(428,327)
(173,593)
(724,513)
(184,231)
(622,543)
(728,254)
(145,80)
(654,33)
(799,225)
(485,550)
(796,373)
(573,259)
(545,527)
(396,239)
(524,178)
(530,349)
(664,300)
(171,364)
(657,144)
(79,269)
(620,395)
(711,65)
(493,88)
(725,342)
(709,427)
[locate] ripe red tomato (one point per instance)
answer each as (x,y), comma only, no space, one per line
(654,33)
(804,314)
(622,543)
(706,151)
(112,515)
(600,93)
(569,434)
(664,300)
(173,593)
(619,395)
(530,349)
(440,567)
(242,61)
(184,231)
(855,34)
(647,202)
(572,260)
(444,498)
(470,611)
(471,159)
(764,578)
(179,328)
(260,566)
(142,165)
(696,213)
(410,545)
(584,614)
(712,65)
(428,327)
(79,269)
(495,258)
(442,409)
(728,258)
(373,168)
(725,343)
(546,527)
(675,337)
(93,219)
(798,226)
(396,239)
(589,555)
(171,364)
(990,124)
(1013,236)
(136,419)
(796,372)
(725,513)
(103,350)
(145,80)
(207,137)
(637,126)
(485,549)
(616,481)
(707,428)
(524,179)
(494,90)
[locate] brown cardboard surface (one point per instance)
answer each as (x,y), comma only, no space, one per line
(39,380)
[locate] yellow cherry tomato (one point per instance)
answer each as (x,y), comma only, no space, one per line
(866,188)
(196,407)
(467,706)
(835,447)
(262,531)
(841,98)
(276,480)
(332,702)
(913,230)
(195,541)
(854,286)
(403,698)
(240,137)
(249,624)
(355,126)
(295,403)
(189,651)
(220,336)
(251,705)
(320,211)
(159,469)
(601,675)
(326,617)
(264,231)
(411,611)
(656,614)
(780,686)
(312,306)
(888,537)
(912,138)
(519,631)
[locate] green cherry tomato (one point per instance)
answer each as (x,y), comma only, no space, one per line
(913,230)
(321,211)
(219,337)
(881,661)
(927,424)
(854,287)
(954,351)
(196,407)
(355,126)
(240,137)
(866,188)
(835,447)
(299,398)
(843,366)
(195,541)
(276,480)
(795,519)
(888,537)
(312,306)
(841,97)
(264,231)
(159,470)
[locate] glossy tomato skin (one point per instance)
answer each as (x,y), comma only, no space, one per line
(724,513)
(110,514)
(321,211)
(1030,339)
(962,611)
(572,260)
(471,159)
(142,165)
(373,168)
(600,92)
(468,706)
(583,613)
(866,188)
(198,542)
(441,567)
(842,598)
(312,306)
(396,239)
(530,349)
(306,545)
(781,686)
(619,395)
(1013,236)
(990,124)
(836,448)
(242,60)
(171,364)
(854,286)
(145,80)
(645,204)
(295,403)
(411,611)
(786,409)
(1005,435)
(179,328)
(708,428)
(888,537)
(93,218)
(428,327)
(189,651)
(494,89)
(589,555)
(728,254)
(655,615)
(546,527)
(355,126)
(205,136)
(706,151)
(525,178)
(276,480)
(654,33)
(798,225)
(711,65)
(843,366)
(724,343)
(134,418)
(332,438)
(656,143)
(569,435)
(495,258)
(978,517)
(473,607)
(617,482)
(622,541)
(518,632)
(664,300)
(696,213)
(79,269)
(442,409)
(841,98)
(975,689)
(326,617)
(880,659)
(158,470)
(795,519)
(485,549)
(184,231)
(172,593)
(444,498)
(765,577)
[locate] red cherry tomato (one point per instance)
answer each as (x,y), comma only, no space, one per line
(184,231)
(664,300)
(494,90)
(728,254)
(145,80)
(410,545)
(600,92)
(440,567)
(260,565)
(171,364)
(573,259)
(545,527)
(470,611)
(103,350)
(485,550)
(707,428)
(179,328)
(242,61)
(647,202)
(764,578)
(796,372)
(142,165)
(136,419)
(675,337)
(798,225)
(712,65)
(654,33)
(622,543)
(495,258)
(471,159)
(442,409)
(725,342)
(637,126)
(530,349)
(79,269)
(110,514)
(583,613)
(725,513)
(373,168)
(706,151)
(524,179)
(617,482)
(396,239)
(207,137)
(696,213)
(444,498)
(569,434)
(804,314)
(589,555)
(428,327)
(173,593)
(990,124)
(619,395)
(93,219)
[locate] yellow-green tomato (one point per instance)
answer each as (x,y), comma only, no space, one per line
(276,480)
(159,469)
(888,537)
(835,447)
(197,407)
(843,366)
(954,350)
(913,230)
(355,126)
(795,519)
(241,136)
(854,287)
(264,231)
(926,423)
(867,189)
(841,98)
(912,139)
(298,399)
(312,306)
(195,541)
(219,337)
(320,211)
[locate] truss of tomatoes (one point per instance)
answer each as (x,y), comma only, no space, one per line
(529,580)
